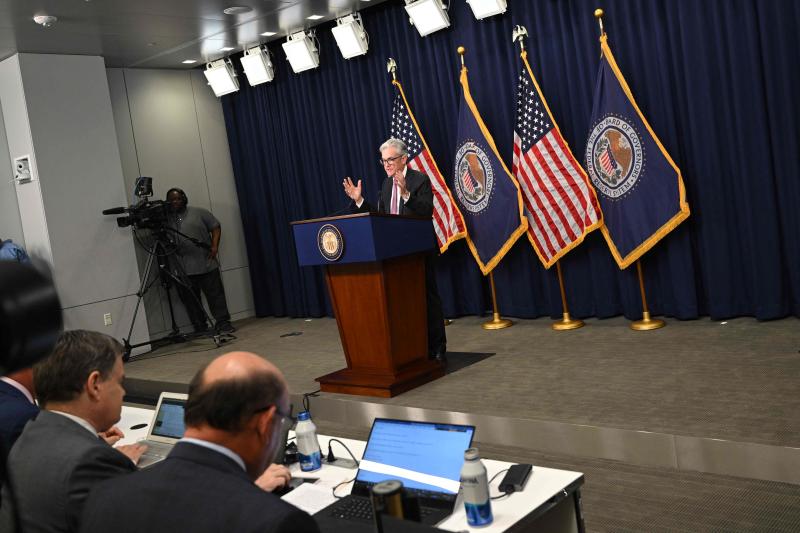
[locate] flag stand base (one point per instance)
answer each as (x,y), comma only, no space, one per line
(447,321)
(647,323)
(567,323)
(497,323)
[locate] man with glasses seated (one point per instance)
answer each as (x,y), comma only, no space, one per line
(406,191)
(238,408)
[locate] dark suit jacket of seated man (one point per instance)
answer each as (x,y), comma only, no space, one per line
(233,418)
(419,202)
(60,456)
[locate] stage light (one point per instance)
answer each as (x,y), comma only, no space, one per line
(487,8)
(222,77)
(301,51)
(257,65)
(427,16)
(350,36)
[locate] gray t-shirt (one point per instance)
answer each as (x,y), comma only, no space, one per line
(197,223)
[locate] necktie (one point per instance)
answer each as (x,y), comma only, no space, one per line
(395,200)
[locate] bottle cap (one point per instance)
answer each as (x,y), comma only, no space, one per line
(471,454)
(304,415)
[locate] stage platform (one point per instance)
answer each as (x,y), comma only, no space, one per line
(692,427)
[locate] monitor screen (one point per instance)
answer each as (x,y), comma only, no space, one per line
(169,420)
(423,455)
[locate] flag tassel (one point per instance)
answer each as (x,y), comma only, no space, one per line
(646,323)
(566,323)
(496,322)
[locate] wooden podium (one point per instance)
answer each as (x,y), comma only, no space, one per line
(375,269)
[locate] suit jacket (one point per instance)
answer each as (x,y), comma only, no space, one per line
(15,411)
(194,490)
(420,200)
(53,466)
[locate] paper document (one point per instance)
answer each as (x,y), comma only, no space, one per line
(310,497)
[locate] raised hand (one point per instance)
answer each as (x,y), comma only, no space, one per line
(400,181)
(353,191)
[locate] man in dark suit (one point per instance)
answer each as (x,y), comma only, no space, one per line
(237,407)
(406,191)
(60,456)
(16,408)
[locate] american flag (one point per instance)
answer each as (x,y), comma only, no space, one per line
(467,180)
(560,205)
(448,224)
(607,160)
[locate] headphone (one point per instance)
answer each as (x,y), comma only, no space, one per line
(179,191)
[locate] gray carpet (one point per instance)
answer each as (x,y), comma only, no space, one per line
(736,381)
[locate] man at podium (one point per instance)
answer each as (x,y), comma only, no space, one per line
(407,192)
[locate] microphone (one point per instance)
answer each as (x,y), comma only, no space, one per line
(115,211)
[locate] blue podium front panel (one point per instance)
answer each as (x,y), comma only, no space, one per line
(364,237)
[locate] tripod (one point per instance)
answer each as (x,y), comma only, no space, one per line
(158,253)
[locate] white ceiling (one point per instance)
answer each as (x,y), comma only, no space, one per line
(156,33)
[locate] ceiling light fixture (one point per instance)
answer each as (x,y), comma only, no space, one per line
(189,61)
(257,65)
(487,8)
(237,10)
(45,20)
(427,16)
(301,51)
(227,49)
(350,36)
(268,34)
(222,77)
(314,17)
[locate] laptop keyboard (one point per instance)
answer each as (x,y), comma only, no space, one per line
(156,451)
(361,509)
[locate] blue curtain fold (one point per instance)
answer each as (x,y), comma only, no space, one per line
(717,80)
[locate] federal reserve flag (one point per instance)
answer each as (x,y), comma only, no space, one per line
(640,188)
(485,190)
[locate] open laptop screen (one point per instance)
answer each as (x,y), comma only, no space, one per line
(169,419)
(423,455)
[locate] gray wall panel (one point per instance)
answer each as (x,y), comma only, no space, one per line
(219,173)
(10,223)
(79,169)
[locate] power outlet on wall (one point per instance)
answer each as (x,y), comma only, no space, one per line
(107,319)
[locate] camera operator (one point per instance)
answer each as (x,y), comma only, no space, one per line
(199,262)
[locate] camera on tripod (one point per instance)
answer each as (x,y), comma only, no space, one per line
(146,213)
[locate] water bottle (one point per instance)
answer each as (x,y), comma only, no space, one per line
(307,445)
(475,485)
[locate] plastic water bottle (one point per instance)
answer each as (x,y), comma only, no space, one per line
(475,485)
(307,445)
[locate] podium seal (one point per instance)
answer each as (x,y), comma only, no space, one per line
(330,242)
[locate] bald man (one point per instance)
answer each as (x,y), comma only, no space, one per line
(237,407)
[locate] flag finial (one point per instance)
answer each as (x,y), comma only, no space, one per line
(598,14)
(391,68)
(518,35)
(461,51)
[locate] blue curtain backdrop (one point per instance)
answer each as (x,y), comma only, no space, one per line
(718,81)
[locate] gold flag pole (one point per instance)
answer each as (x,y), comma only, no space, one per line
(598,14)
(646,323)
(496,322)
(566,322)
(391,68)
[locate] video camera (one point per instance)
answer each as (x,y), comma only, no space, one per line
(145,214)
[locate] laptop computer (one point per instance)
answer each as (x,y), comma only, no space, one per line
(166,428)
(426,456)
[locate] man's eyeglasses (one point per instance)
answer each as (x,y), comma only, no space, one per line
(389,160)
(288,418)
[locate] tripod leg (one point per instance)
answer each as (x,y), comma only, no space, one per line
(126,355)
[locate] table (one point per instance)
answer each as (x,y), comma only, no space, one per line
(550,502)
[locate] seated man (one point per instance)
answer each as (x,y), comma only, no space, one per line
(237,406)
(59,457)
(16,408)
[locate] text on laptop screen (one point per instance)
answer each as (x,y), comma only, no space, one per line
(422,455)
(169,420)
